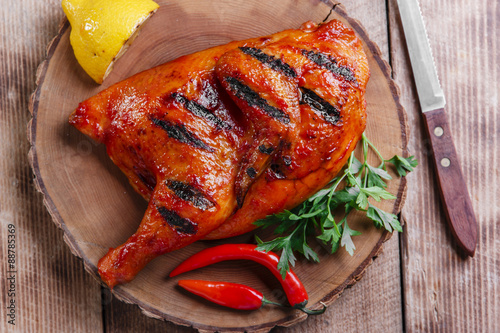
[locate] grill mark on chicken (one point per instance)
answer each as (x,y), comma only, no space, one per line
(200,111)
(189,193)
(146,177)
(245,93)
(180,224)
(266,150)
(326,61)
(320,106)
(251,172)
(181,134)
(269,60)
(277,173)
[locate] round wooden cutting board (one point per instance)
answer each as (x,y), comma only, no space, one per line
(90,199)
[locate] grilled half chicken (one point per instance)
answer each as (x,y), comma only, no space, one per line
(220,138)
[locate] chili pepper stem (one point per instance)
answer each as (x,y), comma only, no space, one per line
(302,307)
(266,301)
(313,312)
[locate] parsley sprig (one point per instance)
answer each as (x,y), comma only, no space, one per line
(315,216)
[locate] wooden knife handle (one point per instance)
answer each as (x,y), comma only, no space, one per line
(454,194)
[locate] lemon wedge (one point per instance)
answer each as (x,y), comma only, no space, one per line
(102,30)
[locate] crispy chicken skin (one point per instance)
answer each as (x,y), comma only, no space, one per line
(220,138)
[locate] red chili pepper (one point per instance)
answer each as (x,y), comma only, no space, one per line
(232,295)
(294,289)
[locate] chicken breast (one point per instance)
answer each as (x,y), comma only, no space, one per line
(220,138)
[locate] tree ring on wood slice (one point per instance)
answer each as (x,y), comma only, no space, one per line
(92,202)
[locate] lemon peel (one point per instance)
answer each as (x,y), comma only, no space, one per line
(102,30)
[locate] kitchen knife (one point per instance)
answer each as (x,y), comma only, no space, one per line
(454,194)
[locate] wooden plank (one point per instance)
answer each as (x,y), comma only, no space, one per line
(444,290)
(53,293)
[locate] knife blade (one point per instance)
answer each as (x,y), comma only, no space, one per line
(453,190)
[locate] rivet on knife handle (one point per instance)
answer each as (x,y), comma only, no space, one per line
(453,190)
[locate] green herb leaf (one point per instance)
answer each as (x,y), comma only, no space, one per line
(377,193)
(380,172)
(266,222)
(286,259)
(346,195)
(284,225)
(383,219)
(362,200)
(360,181)
(309,253)
(271,220)
(275,244)
(320,194)
(331,236)
(375,176)
(403,165)
(356,165)
(346,240)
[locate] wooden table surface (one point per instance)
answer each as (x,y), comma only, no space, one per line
(420,282)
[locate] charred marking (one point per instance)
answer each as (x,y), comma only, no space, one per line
(181,134)
(180,224)
(266,150)
(251,172)
(189,193)
(146,177)
(200,111)
(269,60)
(276,169)
(326,61)
(287,160)
(245,93)
(319,105)
(140,169)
